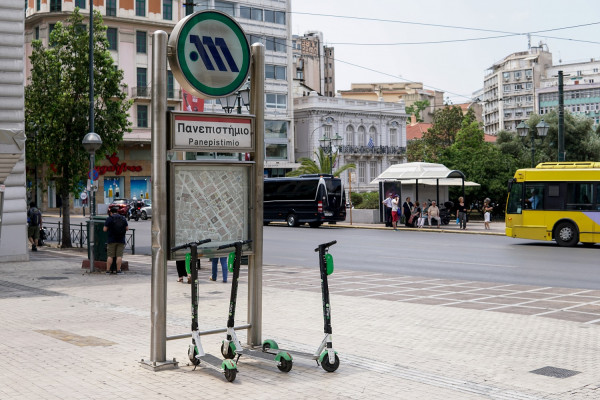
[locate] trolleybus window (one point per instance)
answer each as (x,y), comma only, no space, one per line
(580,196)
(515,198)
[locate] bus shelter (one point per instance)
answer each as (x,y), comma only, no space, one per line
(404,179)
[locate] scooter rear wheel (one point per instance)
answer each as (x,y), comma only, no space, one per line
(330,367)
(285,365)
(230,375)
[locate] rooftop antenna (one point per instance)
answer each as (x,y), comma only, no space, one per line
(528,41)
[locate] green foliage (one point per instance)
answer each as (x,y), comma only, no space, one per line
(368,200)
(446,123)
(57,104)
(416,108)
(321,166)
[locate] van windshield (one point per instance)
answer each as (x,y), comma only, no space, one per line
(334,186)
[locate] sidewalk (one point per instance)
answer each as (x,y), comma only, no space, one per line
(69,334)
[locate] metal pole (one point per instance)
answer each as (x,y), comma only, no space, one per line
(255,267)
(158,337)
(92,211)
(561,118)
(92,195)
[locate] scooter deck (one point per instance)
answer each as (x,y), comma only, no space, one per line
(293,353)
(211,361)
(259,354)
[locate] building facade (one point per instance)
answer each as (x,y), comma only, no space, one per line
(313,65)
(373,134)
(408,92)
(131,24)
(509,88)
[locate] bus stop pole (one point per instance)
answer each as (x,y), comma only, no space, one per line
(255,264)
(158,309)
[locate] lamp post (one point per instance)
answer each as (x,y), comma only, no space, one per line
(91,143)
(542,131)
(241,96)
(329,145)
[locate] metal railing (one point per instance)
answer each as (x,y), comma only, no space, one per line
(391,150)
(79,235)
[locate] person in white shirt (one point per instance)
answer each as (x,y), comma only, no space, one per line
(434,212)
(395,213)
(387,204)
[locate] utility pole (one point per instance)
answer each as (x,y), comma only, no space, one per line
(561,118)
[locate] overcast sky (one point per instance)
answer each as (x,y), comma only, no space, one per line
(457,68)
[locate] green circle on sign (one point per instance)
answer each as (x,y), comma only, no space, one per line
(213,54)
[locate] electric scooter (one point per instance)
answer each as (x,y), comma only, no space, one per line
(231,346)
(328,359)
(196,353)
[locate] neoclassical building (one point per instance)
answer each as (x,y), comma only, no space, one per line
(373,134)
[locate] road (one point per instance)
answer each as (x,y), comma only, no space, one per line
(431,254)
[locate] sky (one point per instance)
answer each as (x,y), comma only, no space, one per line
(458,67)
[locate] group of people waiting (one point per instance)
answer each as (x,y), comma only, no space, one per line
(415,215)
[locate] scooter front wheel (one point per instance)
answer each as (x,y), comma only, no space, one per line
(230,354)
(330,367)
(192,353)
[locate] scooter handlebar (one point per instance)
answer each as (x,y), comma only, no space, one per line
(225,246)
(326,245)
(190,244)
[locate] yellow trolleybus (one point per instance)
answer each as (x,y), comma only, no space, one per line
(555,201)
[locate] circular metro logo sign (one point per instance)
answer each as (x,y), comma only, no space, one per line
(209,54)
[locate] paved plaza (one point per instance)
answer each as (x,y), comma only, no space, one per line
(70,334)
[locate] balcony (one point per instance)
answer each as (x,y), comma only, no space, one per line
(376,150)
(141,92)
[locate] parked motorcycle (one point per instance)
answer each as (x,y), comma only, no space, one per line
(135,211)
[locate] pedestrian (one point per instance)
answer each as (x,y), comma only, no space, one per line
(215,261)
(407,207)
(387,209)
(461,213)
(415,213)
(433,212)
(116,227)
(182,272)
(34,224)
(423,215)
(487,213)
(395,211)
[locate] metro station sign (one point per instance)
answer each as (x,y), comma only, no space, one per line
(209,54)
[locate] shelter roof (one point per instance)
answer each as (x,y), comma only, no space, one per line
(425,173)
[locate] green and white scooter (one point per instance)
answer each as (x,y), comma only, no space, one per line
(231,346)
(325,356)
(195,351)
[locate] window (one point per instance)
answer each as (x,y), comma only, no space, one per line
(361,171)
(528,73)
(142,116)
(373,169)
(275,100)
(38,4)
(580,196)
(350,135)
(393,137)
(270,16)
(506,88)
(373,135)
(80,4)
(170,85)
(256,14)
(168,9)
(140,41)
(245,12)
(534,196)
(280,17)
(361,136)
(256,39)
(276,129)
(275,72)
(224,6)
(515,199)
(276,44)
(55,5)
(517,75)
(111,8)
(518,86)
(140,8)
(142,81)
(506,75)
(37,33)
(275,151)
(111,35)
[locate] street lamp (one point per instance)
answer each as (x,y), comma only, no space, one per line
(241,96)
(542,131)
(329,146)
(91,143)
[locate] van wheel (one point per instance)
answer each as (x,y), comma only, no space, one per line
(566,234)
(292,220)
(314,224)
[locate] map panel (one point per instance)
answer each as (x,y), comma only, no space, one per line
(210,201)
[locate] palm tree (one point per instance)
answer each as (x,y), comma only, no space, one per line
(321,166)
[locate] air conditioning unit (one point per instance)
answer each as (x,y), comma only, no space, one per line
(587,112)
(518,78)
(529,78)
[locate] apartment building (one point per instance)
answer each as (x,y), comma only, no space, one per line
(130,26)
(509,88)
(373,134)
(409,92)
(313,65)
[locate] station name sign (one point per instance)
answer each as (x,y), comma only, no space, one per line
(202,132)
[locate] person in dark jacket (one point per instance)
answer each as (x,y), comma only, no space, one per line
(116,226)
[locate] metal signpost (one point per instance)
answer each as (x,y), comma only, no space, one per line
(210,57)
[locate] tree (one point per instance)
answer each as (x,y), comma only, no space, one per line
(323,166)
(57,105)
(416,108)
